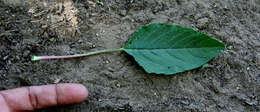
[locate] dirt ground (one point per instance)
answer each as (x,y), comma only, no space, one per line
(115,81)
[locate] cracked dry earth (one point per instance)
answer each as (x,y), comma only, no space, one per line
(115,81)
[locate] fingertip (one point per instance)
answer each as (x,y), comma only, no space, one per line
(71,93)
(80,91)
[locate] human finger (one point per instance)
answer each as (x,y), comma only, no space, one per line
(36,97)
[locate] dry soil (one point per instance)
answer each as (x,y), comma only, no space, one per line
(115,81)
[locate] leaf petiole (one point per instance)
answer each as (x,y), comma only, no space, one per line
(36,58)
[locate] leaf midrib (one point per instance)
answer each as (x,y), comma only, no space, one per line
(170,48)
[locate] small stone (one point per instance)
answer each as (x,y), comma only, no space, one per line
(78,31)
(258,59)
(44,26)
(17,57)
(123,12)
(9,61)
(110,69)
(80,41)
(92,21)
(5,57)
(57,81)
(118,85)
(221,105)
(253,102)
(248,68)
(107,62)
(202,23)
(215,5)
(92,3)
(230,47)
(118,62)
(52,39)
(186,102)
(100,3)
(193,26)
(45,35)
(31,10)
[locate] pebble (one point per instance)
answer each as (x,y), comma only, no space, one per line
(93,46)
(251,102)
(5,57)
(45,35)
(80,41)
(52,39)
(57,81)
(258,59)
(203,22)
(44,26)
(186,102)
(110,69)
(230,47)
(118,85)
(107,62)
(123,12)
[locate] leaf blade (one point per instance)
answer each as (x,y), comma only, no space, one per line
(169,49)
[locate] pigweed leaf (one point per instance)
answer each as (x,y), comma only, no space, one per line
(164,49)
(168,49)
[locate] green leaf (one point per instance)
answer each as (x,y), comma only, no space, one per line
(168,49)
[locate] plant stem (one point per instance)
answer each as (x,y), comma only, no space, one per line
(35,58)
